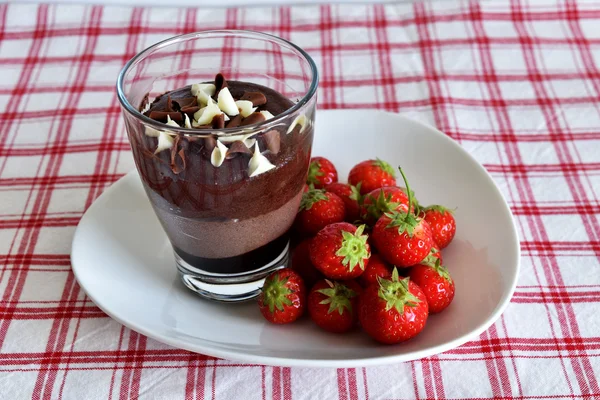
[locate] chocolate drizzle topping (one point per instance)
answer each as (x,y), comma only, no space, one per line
(178,103)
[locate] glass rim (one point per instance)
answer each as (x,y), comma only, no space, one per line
(310,93)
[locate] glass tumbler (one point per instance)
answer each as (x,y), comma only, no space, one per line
(226,215)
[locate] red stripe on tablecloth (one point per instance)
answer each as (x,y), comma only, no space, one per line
(60,327)
(435,98)
(16,279)
(569,325)
(382,49)
(364,374)
(352,387)
(341,381)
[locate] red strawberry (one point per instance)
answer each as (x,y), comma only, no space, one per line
(393,311)
(372,174)
(376,268)
(402,239)
(321,172)
(436,283)
(382,200)
(334,305)
(303,266)
(340,251)
(318,209)
(443,224)
(351,197)
(282,297)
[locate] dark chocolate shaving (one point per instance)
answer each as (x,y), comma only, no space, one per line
(235,121)
(257,98)
(145,101)
(220,83)
(210,143)
(253,118)
(169,106)
(190,110)
(236,148)
(272,141)
(218,121)
(175,167)
(161,116)
(186,102)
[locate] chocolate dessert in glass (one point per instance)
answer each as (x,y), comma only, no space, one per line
(221,127)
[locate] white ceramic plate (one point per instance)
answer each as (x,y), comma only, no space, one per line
(122,259)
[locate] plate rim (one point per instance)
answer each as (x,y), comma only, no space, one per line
(274,360)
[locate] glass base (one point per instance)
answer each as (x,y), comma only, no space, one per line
(228,287)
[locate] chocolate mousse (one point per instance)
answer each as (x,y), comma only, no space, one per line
(227,192)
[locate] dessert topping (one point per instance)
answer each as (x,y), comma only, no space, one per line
(299,120)
(258,163)
(218,154)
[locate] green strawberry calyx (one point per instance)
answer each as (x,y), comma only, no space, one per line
(381,205)
(275,293)
(405,222)
(314,171)
(441,270)
(396,294)
(311,197)
(441,209)
(431,258)
(385,166)
(354,249)
(338,297)
(356,196)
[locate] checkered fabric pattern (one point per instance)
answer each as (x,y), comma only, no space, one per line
(515,83)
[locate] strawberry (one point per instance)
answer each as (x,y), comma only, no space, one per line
(282,297)
(372,174)
(380,201)
(436,284)
(334,305)
(302,265)
(402,239)
(394,310)
(376,268)
(350,196)
(443,224)
(321,172)
(340,251)
(318,209)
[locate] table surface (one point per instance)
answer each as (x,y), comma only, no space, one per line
(516,84)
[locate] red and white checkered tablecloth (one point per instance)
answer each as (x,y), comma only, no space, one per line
(515,83)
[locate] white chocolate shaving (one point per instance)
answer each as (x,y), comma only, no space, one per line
(242,138)
(203,98)
(267,115)
(245,107)
(225,117)
(218,154)
(146,108)
(258,163)
(165,142)
(226,102)
(208,88)
(170,122)
(187,123)
(299,120)
(204,116)
(150,131)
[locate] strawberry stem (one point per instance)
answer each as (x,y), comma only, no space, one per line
(408,191)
